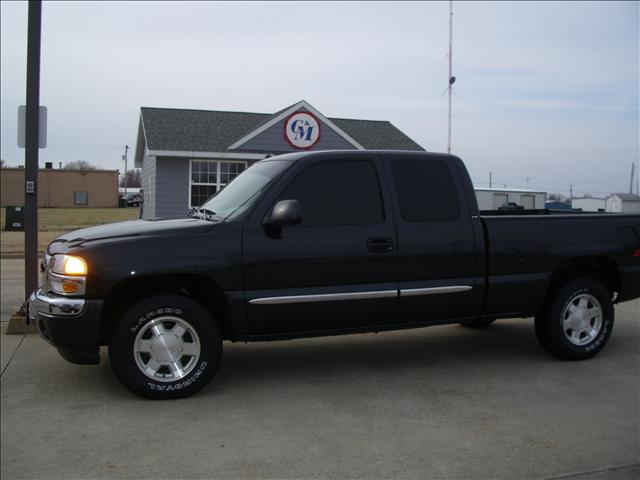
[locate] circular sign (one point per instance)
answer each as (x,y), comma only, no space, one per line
(302,130)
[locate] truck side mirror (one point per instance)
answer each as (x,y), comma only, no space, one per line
(285,212)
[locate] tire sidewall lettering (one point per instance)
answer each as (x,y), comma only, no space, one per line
(169,387)
(152,314)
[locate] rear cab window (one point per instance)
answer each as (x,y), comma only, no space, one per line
(426,190)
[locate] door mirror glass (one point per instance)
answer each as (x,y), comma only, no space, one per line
(285,212)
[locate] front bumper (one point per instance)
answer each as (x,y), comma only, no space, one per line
(72,325)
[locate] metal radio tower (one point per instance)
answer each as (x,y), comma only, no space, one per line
(452,79)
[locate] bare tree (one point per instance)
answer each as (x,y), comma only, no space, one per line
(134,178)
(80,165)
(557,197)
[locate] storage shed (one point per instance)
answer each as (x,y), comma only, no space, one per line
(589,204)
(188,155)
(623,203)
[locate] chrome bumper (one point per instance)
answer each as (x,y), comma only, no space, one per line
(53,305)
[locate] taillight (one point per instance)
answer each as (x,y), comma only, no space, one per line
(637,252)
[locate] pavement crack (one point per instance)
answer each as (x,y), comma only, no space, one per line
(12,355)
(597,470)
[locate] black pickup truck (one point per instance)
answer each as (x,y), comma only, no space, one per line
(326,243)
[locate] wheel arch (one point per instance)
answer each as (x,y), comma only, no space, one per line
(601,268)
(200,288)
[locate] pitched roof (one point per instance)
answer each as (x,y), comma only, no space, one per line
(173,129)
(627,197)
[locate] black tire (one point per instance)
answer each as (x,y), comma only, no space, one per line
(166,312)
(550,323)
(478,322)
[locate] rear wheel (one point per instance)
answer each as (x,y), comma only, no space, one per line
(166,346)
(478,322)
(578,321)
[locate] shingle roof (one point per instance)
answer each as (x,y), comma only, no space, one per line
(213,131)
(627,197)
(196,130)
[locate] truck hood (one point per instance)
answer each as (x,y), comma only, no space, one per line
(129,229)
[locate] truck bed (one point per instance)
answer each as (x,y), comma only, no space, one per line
(526,247)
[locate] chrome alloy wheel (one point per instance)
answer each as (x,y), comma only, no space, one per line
(166,349)
(582,319)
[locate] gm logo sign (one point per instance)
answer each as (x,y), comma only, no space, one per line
(302,130)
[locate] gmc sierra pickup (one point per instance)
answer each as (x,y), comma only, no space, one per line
(326,243)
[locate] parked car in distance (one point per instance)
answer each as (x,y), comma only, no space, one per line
(326,243)
(511,206)
(132,199)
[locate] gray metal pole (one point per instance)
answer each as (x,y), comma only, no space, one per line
(126,149)
(31,149)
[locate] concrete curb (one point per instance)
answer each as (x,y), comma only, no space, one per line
(18,325)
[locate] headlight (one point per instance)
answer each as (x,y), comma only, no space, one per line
(67,275)
(68,265)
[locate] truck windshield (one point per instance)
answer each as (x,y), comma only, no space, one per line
(243,191)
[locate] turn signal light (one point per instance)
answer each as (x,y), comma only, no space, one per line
(69,287)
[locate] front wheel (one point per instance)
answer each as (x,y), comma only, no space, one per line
(578,321)
(166,346)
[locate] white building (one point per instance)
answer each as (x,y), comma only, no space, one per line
(623,203)
(589,204)
(494,198)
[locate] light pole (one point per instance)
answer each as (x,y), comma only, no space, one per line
(124,157)
(32,143)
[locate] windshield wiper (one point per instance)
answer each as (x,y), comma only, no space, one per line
(203,213)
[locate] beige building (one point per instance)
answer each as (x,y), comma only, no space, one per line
(62,188)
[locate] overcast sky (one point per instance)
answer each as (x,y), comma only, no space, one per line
(545,91)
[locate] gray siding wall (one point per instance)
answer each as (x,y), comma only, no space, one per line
(149,186)
(272,140)
(172,186)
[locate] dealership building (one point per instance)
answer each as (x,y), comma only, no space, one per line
(188,155)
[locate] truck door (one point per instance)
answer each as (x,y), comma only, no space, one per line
(436,245)
(336,269)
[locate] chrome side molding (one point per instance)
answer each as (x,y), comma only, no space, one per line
(324,297)
(334,297)
(413,292)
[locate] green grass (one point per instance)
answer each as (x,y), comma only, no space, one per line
(53,222)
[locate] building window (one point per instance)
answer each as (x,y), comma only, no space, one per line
(80,198)
(209,176)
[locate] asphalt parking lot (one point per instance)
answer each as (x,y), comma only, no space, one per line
(443,402)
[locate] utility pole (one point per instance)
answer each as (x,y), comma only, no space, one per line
(490,179)
(32,144)
(633,166)
(124,157)
(452,79)
(570,191)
